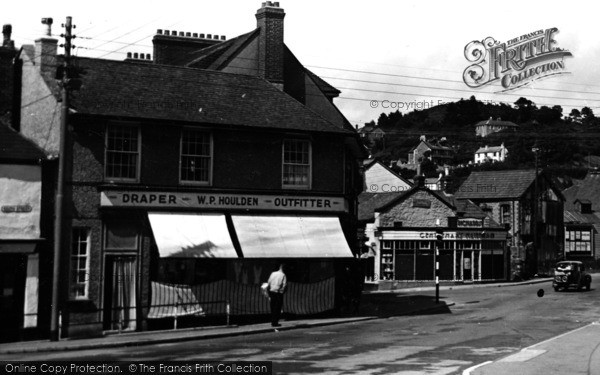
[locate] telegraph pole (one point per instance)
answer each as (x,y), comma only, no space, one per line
(58,204)
(439,243)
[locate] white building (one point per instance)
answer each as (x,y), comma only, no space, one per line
(491,154)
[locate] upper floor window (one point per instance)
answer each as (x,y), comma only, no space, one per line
(195,164)
(122,158)
(80,263)
(296,164)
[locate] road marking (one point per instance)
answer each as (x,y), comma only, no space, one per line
(468,371)
(523,355)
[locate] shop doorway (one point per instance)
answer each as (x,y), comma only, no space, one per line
(467,265)
(12,295)
(120,293)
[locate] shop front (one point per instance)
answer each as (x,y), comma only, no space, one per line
(186,259)
(410,255)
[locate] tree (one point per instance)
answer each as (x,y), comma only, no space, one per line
(523,103)
(587,112)
(575,115)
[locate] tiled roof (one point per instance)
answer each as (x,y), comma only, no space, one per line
(496,184)
(153,91)
(497,123)
(369,202)
(15,147)
(489,149)
(574,216)
(588,189)
(322,84)
(215,56)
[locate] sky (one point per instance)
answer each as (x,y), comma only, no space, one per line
(382,55)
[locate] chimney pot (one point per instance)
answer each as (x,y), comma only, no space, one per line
(148,56)
(208,36)
(195,35)
(173,33)
(135,55)
(188,34)
(48,28)
(223,37)
(202,36)
(159,31)
(216,37)
(181,33)
(276,4)
(128,55)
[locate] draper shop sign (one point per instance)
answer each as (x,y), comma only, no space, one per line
(515,63)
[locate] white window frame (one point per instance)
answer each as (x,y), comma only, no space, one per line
(139,153)
(74,262)
(211,158)
(310,164)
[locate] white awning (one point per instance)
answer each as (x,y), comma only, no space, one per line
(191,235)
(291,237)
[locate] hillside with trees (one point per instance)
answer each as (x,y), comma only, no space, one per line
(565,141)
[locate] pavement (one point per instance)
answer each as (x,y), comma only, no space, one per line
(374,305)
(574,352)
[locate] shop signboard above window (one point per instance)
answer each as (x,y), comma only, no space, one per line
(157,199)
(469,223)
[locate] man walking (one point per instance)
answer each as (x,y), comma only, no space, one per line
(277,284)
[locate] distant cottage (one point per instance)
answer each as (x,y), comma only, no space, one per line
(491,154)
(487,127)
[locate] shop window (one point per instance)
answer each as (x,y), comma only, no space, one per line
(578,241)
(296,164)
(80,263)
(195,163)
(122,153)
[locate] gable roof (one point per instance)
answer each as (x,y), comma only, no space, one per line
(431,146)
(588,189)
(164,92)
(497,123)
(368,163)
(17,148)
(215,56)
(496,184)
(410,192)
(490,149)
(368,203)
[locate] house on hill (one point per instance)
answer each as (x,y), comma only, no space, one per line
(487,127)
(434,150)
(491,154)
(530,206)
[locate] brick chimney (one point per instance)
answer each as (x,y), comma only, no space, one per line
(6,32)
(46,47)
(269,20)
(8,104)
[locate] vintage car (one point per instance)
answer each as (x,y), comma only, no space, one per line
(571,273)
